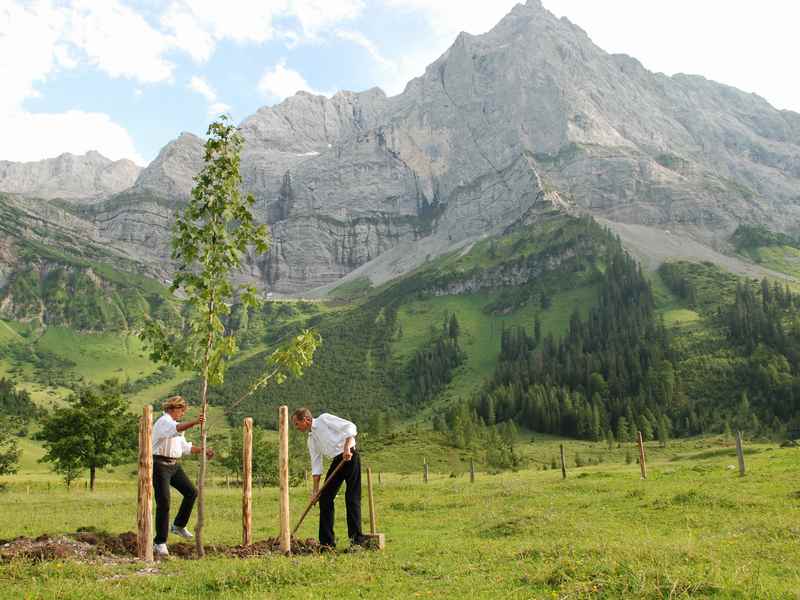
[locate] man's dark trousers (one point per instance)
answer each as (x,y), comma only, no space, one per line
(350,473)
(165,475)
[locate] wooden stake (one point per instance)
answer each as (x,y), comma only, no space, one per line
(144,516)
(563,464)
(373,528)
(247,484)
(375,540)
(740,453)
(283,478)
(642,460)
(425,471)
(471,470)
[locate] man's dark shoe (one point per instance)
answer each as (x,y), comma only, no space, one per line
(359,540)
(326,549)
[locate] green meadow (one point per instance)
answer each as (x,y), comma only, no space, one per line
(692,529)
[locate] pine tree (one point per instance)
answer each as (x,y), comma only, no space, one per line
(454,328)
(623,430)
(663,430)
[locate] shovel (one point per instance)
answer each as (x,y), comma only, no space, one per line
(317,495)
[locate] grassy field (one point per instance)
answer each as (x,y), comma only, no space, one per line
(784,259)
(693,529)
(99,356)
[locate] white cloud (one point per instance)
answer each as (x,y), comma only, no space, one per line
(362,40)
(197,25)
(316,16)
(33,45)
(217,108)
(28,40)
(281,82)
(28,136)
(202,87)
(119,41)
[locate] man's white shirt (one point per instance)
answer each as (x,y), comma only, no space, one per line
(327,436)
(167,440)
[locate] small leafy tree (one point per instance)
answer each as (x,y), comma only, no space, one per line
(9,450)
(93,431)
(210,238)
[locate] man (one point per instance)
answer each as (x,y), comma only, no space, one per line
(335,438)
(169,445)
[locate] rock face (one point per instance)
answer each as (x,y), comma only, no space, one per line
(503,126)
(171,174)
(69,177)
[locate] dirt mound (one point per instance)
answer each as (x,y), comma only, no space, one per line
(90,544)
(46,548)
(123,544)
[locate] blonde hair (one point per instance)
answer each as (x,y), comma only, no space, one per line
(173,402)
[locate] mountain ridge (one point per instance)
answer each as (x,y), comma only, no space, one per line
(527,116)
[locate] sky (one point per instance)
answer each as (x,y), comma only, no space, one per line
(124,77)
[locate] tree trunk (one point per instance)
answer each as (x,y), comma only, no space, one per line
(92,471)
(201,475)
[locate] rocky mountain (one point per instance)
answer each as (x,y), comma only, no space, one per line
(69,177)
(502,127)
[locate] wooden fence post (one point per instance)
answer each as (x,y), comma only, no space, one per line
(471,470)
(425,471)
(247,484)
(373,527)
(377,541)
(283,478)
(144,516)
(642,459)
(563,464)
(740,453)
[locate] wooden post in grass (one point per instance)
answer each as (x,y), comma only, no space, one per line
(740,453)
(642,460)
(247,484)
(283,478)
(425,471)
(563,464)
(144,516)
(472,470)
(379,478)
(377,541)
(372,524)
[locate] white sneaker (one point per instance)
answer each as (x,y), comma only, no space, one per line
(182,531)
(160,550)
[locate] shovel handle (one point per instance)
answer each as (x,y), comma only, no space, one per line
(317,495)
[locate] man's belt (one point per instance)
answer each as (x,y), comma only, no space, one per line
(165,460)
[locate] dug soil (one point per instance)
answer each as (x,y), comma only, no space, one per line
(90,544)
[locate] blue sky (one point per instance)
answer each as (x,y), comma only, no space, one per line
(124,77)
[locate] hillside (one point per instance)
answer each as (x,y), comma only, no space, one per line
(362,370)
(53,274)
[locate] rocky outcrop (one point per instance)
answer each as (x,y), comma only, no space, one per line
(69,177)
